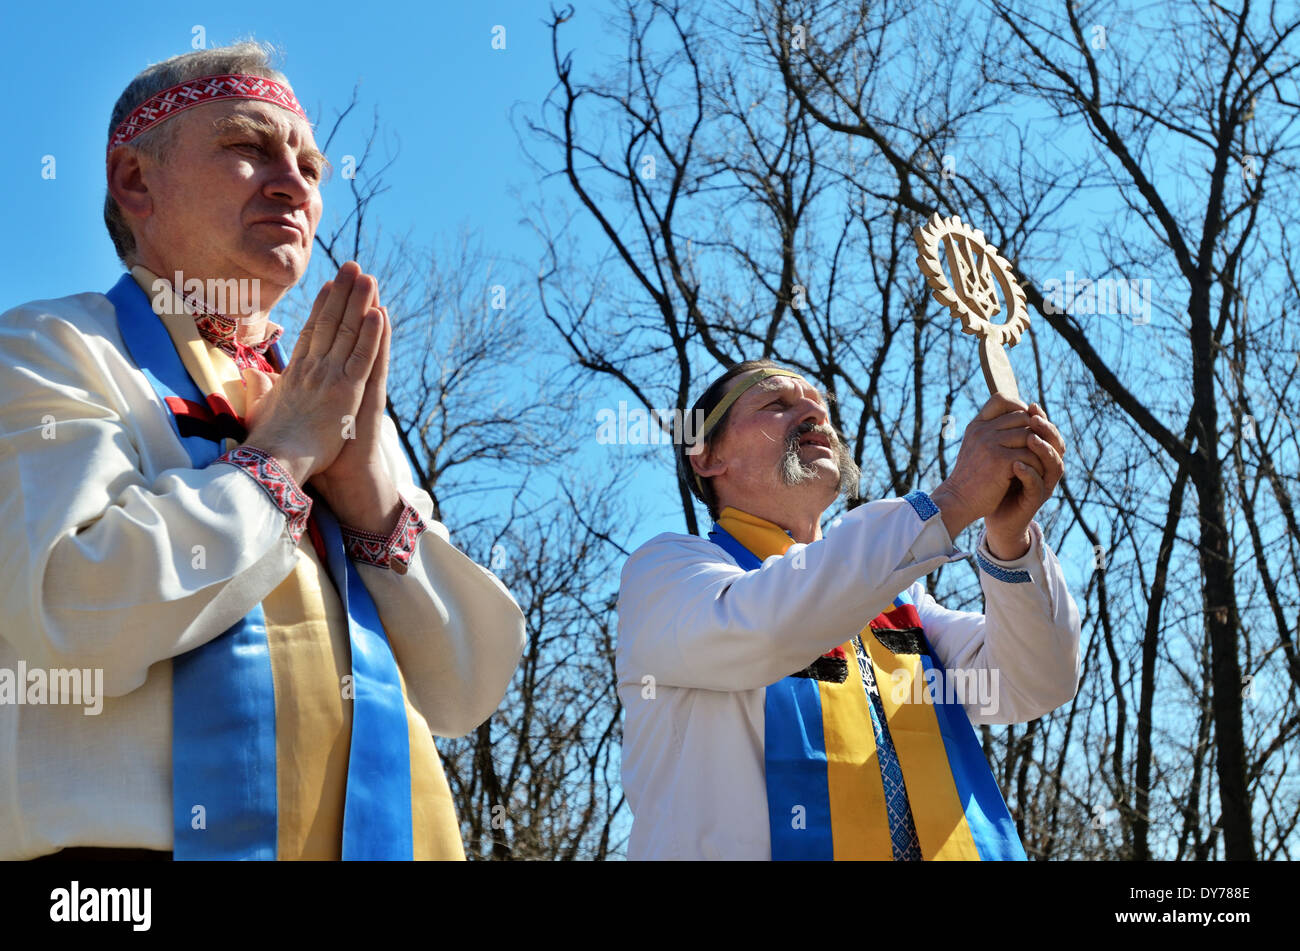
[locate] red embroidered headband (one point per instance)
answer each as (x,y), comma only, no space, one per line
(196,92)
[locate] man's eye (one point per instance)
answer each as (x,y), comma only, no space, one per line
(311,173)
(248,145)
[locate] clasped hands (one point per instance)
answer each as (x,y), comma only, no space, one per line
(1011,459)
(321,418)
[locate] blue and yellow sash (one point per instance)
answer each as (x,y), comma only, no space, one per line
(252,778)
(825,794)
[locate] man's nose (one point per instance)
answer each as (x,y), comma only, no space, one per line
(288,184)
(813,412)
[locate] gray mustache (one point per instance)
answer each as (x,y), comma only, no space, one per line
(792,441)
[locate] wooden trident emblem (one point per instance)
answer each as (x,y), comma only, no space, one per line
(974,265)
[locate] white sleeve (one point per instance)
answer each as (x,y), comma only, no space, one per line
(100,567)
(690,617)
(1027,639)
(456,632)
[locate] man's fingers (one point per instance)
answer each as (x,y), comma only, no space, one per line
(331,313)
(358,307)
(257,385)
(375,400)
(381,361)
(1044,428)
(303,345)
(1053,467)
(357,366)
(1030,458)
(1015,436)
(1035,489)
(999,405)
(1015,419)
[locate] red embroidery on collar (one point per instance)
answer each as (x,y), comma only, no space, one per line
(223,333)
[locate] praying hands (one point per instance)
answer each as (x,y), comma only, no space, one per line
(321,418)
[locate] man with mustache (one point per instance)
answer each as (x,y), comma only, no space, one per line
(235,541)
(794,696)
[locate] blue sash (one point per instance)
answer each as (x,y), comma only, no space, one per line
(223,699)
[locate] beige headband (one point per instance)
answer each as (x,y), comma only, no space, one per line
(736,392)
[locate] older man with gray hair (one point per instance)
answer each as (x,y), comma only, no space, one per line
(233,540)
(791,695)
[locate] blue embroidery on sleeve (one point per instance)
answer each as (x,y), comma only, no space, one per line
(922,504)
(1011,576)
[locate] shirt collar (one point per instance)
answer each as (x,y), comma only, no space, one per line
(760,536)
(213,326)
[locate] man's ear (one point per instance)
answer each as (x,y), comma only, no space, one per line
(708,463)
(126,183)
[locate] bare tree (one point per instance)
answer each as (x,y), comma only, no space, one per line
(540,780)
(753,172)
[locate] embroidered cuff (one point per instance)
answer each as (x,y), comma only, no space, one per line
(393,551)
(933,540)
(922,504)
(1006,570)
(279,485)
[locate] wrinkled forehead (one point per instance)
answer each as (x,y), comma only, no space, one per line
(254,116)
(796,387)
